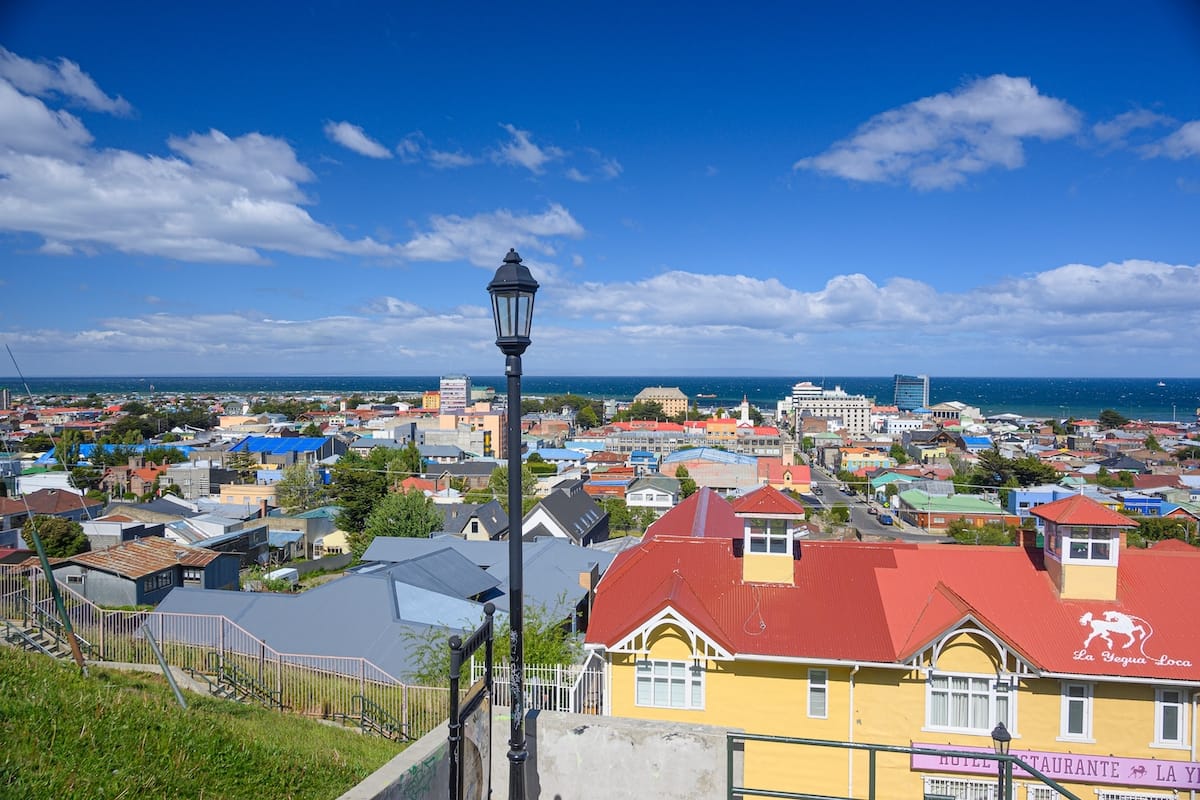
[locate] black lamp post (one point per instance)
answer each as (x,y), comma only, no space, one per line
(1001,739)
(512,291)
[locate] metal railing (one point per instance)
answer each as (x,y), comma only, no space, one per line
(312,685)
(575,688)
(737,741)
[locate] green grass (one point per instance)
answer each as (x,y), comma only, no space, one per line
(122,735)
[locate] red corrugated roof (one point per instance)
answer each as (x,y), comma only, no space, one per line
(766,500)
(705,513)
(1081,510)
(884,602)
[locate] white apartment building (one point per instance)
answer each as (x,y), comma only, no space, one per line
(455,391)
(854,410)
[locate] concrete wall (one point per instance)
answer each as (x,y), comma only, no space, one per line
(573,756)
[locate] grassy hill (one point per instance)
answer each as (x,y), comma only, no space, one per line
(122,735)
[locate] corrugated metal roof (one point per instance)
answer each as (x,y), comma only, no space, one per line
(145,556)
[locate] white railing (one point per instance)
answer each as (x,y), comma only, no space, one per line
(576,688)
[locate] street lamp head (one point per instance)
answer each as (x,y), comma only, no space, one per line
(512,291)
(1001,739)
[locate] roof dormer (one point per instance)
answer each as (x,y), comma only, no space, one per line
(1082,546)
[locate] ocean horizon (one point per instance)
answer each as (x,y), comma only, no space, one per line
(1136,398)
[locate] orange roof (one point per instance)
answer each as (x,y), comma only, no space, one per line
(767,500)
(144,556)
(1079,509)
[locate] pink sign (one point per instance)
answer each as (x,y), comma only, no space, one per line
(1070,767)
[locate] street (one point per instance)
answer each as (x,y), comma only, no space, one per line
(867,524)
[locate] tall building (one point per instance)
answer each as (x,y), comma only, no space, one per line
(854,410)
(912,391)
(455,393)
(5,400)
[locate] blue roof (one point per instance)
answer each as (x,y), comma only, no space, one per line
(279,444)
(86,450)
(560,454)
(709,454)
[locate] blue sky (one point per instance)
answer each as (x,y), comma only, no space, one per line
(782,189)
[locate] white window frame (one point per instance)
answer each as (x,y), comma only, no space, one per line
(994,694)
(1180,705)
(818,691)
(1121,794)
(1076,692)
(768,536)
(74,579)
(651,675)
(1072,535)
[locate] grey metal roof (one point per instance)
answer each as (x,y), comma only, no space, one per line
(399,548)
(576,512)
(444,571)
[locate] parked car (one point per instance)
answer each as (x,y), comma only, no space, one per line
(885,519)
(817,490)
(872,510)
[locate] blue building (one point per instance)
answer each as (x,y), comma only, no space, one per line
(912,392)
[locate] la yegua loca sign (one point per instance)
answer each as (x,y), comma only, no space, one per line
(1112,639)
(1069,767)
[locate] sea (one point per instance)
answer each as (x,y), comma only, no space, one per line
(1168,399)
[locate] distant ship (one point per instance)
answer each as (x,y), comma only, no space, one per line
(706,395)
(1160,383)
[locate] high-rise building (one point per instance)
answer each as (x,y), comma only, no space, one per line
(455,392)
(912,391)
(5,400)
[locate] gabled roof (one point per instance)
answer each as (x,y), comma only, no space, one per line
(1079,509)
(56,501)
(886,602)
(703,515)
(767,500)
(140,557)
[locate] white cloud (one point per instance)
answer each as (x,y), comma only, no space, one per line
(353,138)
(217,199)
(483,238)
(1183,143)
(28,126)
(443,159)
(601,168)
(937,142)
(521,151)
(1116,130)
(65,79)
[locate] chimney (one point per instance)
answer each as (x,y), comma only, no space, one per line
(1027,538)
(262,509)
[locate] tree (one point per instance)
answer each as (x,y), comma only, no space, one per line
(410,514)
(1186,452)
(547,641)
(410,459)
(61,538)
(586,418)
(897,453)
(311,429)
(1110,418)
(37,443)
(687,486)
(498,483)
(243,463)
(964,532)
(649,409)
(66,453)
(300,489)
(1152,444)
(357,484)
(839,513)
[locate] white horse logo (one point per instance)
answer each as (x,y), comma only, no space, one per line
(1118,623)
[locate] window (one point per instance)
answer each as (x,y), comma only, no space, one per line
(967,703)
(670,684)
(1092,545)
(1076,718)
(1169,717)
(768,535)
(192,575)
(818,691)
(1109,794)
(74,579)
(961,788)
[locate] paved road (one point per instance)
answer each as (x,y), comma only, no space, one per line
(868,524)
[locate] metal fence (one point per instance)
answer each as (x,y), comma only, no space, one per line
(329,687)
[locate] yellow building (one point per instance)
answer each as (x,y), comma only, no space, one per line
(252,494)
(673,401)
(1085,650)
